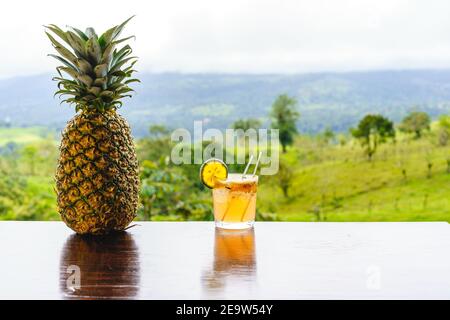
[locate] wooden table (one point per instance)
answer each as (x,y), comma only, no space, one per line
(192,260)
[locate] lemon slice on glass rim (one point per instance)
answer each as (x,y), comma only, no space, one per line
(212,170)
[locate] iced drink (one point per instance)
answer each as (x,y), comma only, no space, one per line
(235,201)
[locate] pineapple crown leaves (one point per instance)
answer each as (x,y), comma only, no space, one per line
(95,72)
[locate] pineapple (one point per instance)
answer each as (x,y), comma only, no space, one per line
(97,178)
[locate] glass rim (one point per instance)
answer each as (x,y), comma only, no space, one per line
(240,178)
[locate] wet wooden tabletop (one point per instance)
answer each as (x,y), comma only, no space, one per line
(193,260)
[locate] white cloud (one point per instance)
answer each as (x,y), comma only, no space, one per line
(242,36)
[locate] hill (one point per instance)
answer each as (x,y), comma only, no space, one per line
(407,181)
(336,100)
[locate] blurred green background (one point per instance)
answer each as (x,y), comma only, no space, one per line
(324,176)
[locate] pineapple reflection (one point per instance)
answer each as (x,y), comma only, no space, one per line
(108,267)
(234,258)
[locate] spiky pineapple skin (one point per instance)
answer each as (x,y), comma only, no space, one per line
(97,177)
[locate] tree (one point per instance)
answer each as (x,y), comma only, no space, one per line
(328,135)
(167,191)
(246,124)
(243,134)
(158,131)
(285,177)
(444,130)
(156,145)
(284,115)
(372,131)
(415,122)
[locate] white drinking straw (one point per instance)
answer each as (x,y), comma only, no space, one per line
(257,163)
(248,165)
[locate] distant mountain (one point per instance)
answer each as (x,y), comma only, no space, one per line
(336,100)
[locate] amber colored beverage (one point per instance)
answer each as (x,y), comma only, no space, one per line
(234,248)
(235,201)
(234,259)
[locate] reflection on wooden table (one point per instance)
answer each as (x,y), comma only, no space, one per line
(234,258)
(192,260)
(108,267)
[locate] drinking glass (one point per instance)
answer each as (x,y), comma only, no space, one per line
(234,201)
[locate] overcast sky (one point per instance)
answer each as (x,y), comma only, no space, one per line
(256,36)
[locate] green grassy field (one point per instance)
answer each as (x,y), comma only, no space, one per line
(406,181)
(23,135)
(336,183)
